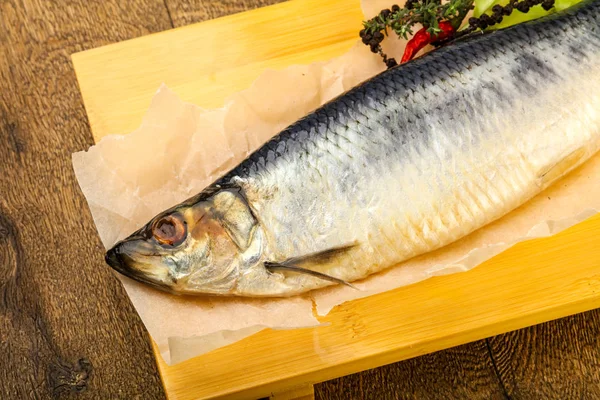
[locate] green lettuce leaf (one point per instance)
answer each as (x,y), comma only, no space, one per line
(485,7)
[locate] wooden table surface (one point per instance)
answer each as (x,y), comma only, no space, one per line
(67,329)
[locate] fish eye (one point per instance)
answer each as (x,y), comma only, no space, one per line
(169,230)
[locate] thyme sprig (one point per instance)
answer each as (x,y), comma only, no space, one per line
(426,12)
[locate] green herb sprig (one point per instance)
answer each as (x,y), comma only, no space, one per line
(426,12)
(430,13)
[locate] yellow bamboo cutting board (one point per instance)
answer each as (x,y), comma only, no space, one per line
(533,282)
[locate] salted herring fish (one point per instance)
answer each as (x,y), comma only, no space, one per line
(407,162)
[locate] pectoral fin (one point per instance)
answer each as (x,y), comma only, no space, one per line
(272,267)
(294,264)
(321,257)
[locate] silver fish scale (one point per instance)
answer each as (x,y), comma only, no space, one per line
(426,152)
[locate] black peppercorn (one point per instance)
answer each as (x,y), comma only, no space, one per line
(474,22)
(395,8)
(520,6)
(484,21)
(385,13)
(390,63)
(548,4)
(497,9)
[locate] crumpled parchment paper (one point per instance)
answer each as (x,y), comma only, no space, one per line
(180,148)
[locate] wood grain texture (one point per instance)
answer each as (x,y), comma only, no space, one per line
(557,360)
(185,12)
(463,372)
(305,392)
(66,327)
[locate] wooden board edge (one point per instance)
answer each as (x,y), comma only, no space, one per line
(378,360)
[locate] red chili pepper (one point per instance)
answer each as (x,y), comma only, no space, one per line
(422,38)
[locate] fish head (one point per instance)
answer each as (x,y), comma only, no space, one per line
(197,247)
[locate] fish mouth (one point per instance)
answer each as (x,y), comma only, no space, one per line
(122,263)
(114,258)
